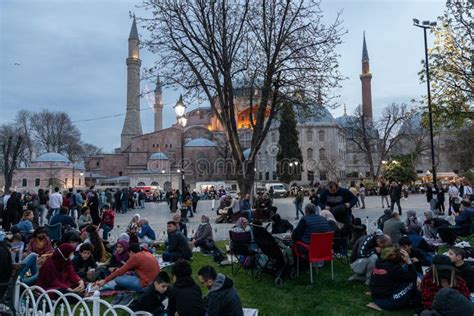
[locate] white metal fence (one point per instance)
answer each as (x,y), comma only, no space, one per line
(34,300)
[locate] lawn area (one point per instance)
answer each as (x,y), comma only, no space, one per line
(298,296)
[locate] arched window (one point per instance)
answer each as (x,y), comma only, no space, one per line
(309,153)
(322,154)
(309,135)
(321,136)
(154,183)
(140,184)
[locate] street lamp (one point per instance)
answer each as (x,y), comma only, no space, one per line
(428,25)
(180,109)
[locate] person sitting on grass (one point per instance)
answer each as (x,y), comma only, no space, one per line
(107,221)
(441,275)
(151,300)
(280,226)
(41,245)
(58,272)
(464,270)
(185,296)
(146,234)
(222,298)
(143,267)
(449,302)
(26,224)
(85,219)
(100,253)
(365,253)
(203,236)
(178,246)
(84,262)
(393,281)
(67,222)
(395,228)
(181,225)
(120,255)
(418,257)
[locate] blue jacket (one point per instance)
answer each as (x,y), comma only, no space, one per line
(147,231)
(308,225)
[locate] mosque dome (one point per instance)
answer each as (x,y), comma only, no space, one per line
(200,142)
(52,157)
(158,156)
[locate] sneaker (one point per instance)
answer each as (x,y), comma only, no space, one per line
(356,277)
(117,299)
(126,300)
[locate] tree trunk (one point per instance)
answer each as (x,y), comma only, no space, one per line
(246,177)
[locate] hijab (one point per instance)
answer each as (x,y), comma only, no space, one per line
(330,217)
(241,222)
(61,256)
(124,237)
(124,255)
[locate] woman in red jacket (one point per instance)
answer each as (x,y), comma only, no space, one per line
(58,272)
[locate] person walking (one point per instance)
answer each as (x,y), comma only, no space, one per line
(299,203)
(384,194)
(55,202)
(395,196)
(362,195)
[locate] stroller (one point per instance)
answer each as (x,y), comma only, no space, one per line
(280,262)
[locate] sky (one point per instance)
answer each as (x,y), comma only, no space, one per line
(70,56)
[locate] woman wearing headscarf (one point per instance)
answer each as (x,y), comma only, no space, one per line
(241,226)
(146,234)
(100,253)
(120,255)
(341,232)
(58,272)
(203,236)
(132,229)
(13,211)
(411,222)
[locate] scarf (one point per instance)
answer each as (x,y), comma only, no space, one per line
(119,257)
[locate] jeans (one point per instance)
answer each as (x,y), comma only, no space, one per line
(43,214)
(124,207)
(392,205)
(30,264)
(248,214)
(364,266)
(73,213)
(190,211)
(106,229)
(129,282)
(299,209)
(385,197)
(362,200)
(401,298)
(142,203)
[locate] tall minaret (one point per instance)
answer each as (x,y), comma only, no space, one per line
(132,126)
(158,107)
(366,78)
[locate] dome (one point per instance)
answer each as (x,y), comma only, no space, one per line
(52,157)
(158,156)
(319,114)
(200,142)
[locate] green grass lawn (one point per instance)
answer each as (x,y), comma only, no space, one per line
(298,296)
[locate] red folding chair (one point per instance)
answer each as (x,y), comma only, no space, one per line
(319,249)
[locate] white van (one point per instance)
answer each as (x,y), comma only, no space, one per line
(279,189)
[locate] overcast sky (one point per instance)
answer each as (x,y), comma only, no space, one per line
(70,56)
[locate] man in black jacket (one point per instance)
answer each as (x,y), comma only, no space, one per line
(222,298)
(395,196)
(178,246)
(152,299)
(185,297)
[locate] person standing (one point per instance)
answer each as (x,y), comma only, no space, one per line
(124,201)
(384,194)
(93,205)
(362,195)
(440,198)
(195,198)
(354,191)
(55,202)
(299,204)
(43,202)
(395,196)
(453,193)
(13,211)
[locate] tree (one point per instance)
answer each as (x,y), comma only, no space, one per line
(12,146)
(400,169)
(377,138)
(459,147)
(451,63)
(289,148)
(272,48)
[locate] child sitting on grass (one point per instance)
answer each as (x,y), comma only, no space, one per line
(84,263)
(463,269)
(152,299)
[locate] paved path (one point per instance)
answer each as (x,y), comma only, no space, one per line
(158,214)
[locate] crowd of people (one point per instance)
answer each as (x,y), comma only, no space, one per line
(398,262)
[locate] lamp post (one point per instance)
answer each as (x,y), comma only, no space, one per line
(180,109)
(428,25)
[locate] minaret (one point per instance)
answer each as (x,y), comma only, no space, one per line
(158,107)
(366,78)
(132,126)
